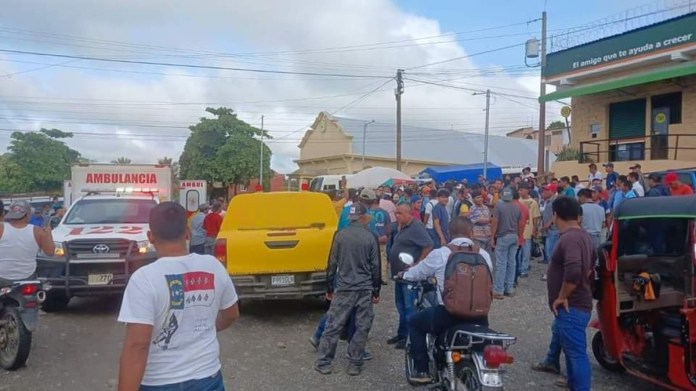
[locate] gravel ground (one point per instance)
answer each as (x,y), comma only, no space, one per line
(78,350)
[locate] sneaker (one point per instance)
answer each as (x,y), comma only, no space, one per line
(367,356)
(420,378)
(394,340)
(546,367)
(354,370)
(401,345)
(324,370)
(498,296)
(510,294)
(562,382)
(314,342)
(524,275)
(543,277)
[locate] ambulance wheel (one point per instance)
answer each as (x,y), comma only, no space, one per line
(603,358)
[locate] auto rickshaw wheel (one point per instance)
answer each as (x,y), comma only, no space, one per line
(603,358)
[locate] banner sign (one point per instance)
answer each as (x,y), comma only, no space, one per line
(664,36)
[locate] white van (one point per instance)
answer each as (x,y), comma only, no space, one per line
(326,183)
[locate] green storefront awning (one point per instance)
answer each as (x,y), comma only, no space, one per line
(685,69)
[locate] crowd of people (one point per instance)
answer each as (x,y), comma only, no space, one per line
(513,218)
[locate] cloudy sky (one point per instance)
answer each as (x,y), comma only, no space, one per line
(336,56)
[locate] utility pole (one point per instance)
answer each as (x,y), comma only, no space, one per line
(364,138)
(485,136)
(541,153)
(261,158)
(398,91)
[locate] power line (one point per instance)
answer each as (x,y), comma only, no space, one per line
(466,56)
(169,64)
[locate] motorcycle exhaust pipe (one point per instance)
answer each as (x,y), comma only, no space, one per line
(41,296)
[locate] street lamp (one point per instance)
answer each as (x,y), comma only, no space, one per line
(364,137)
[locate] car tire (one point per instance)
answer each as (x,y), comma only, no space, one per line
(600,354)
(55,301)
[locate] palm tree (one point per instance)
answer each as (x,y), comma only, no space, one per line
(122,160)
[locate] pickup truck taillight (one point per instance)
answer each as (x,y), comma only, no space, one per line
(220,251)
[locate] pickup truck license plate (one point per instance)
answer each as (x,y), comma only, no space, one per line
(100,279)
(282,280)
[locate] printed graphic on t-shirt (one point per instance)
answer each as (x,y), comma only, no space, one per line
(186,290)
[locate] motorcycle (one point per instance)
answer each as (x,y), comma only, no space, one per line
(19,314)
(465,357)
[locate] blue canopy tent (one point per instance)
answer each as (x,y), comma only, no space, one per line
(470,172)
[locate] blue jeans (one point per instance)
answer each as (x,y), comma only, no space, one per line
(571,326)
(553,357)
(404,298)
(322,325)
(505,264)
(432,320)
(525,257)
(212,383)
(550,245)
(434,237)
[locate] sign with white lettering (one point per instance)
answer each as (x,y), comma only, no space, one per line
(193,193)
(666,37)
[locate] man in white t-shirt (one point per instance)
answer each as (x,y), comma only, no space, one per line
(428,216)
(173,309)
(594,174)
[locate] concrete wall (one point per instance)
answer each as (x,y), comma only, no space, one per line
(594,109)
(348,164)
(326,139)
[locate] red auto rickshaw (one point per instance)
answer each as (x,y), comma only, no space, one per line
(645,288)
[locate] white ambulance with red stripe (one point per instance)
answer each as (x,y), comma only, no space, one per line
(102,238)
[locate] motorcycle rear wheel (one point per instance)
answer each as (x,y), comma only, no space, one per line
(467,377)
(15,340)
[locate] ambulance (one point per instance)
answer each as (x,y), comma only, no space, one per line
(102,238)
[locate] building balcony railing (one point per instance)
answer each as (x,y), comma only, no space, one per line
(655,147)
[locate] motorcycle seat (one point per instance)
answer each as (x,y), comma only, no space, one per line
(465,334)
(4,282)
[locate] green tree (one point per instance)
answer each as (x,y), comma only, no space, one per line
(122,160)
(556,125)
(37,161)
(224,149)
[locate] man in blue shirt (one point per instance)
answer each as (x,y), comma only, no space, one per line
(441,218)
(612,176)
(37,218)
(622,186)
(568,190)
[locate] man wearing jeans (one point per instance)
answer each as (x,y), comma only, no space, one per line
(569,293)
(411,238)
(530,229)
(506,227)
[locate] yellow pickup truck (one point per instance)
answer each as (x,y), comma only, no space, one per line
(276,245)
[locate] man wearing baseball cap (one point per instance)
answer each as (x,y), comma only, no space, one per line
(354,282)
(20,243)
(676,188)
(507,226)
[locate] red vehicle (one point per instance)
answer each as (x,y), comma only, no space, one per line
(645,285)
